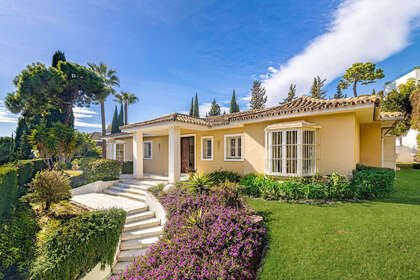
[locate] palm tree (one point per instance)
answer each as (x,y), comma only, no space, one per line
(110,80)
(127,99)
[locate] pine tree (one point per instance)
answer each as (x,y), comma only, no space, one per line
(121,117)
(258,97)
(339,94)
(114,124)
(196,111)
(290,95)
(373,91)
(192,107)
(234,106)
(57,57)
(22,148)
(316,89)
(214,109)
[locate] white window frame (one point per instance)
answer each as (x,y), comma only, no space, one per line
(212,147)
(151,149)
(226,146)
(115,151)
(299,171)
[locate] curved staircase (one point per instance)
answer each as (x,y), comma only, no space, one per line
(142,227)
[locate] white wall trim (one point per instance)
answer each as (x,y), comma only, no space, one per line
(212,147)
(225,146)
(151,149)
(195,148)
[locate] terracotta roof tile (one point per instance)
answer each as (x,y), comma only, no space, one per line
(391,116)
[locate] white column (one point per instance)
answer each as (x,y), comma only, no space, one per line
(138,155)
(174,165)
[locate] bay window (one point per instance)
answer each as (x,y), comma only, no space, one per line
(291,151)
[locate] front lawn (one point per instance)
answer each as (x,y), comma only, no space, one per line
(370,240)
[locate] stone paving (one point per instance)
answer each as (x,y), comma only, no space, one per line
(105,201)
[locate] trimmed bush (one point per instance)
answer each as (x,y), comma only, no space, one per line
(17,241)
(84,162)
(127,167)
(221,176)
(372,182)
(49,186)
(79,245)
(205,238)
(8,189)
(103,169)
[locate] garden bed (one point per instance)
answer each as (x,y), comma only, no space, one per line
(207,236)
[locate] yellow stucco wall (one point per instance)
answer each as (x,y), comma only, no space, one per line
(159,161)
(370,144)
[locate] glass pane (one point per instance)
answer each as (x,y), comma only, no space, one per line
(291,151)
(232,147)
(276,152)
(239,147)
(308,152)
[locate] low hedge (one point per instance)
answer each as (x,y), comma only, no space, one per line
(79,245)
(127,167)
(367,183)
(221,176)
(103,169)
(8,188)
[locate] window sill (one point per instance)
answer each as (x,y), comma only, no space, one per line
(147,158)
(206,158)
(234,159)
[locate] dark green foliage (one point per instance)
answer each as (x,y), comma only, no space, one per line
(78,246)
(363,73)
(115,123)
(17,241)
(214,109)
(290,95)
(316,89)
(191,114)
(372,182)
(234,106)
(57,57)
(339,94)
(121,117)
(103,169)
(196,110)
(84,162)
(416,165)
(22,148)
(127,167)
(6,149)
(8,189)
(221,176)
(258,97)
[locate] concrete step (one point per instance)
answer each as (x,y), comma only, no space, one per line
(138,243)
(143,207)
(142,224)
(125,194)
(126,185)
(142,233)
(139,216)
(130,255)
(150,183)
(129,190)
(120,267)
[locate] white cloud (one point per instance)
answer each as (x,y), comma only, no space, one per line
(84,113)
(361,30)
(5,115)
(85,124)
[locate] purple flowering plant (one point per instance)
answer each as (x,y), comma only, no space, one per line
(207,236)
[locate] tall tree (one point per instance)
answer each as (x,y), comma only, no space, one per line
(363,73)
(192,107)
(339,93)
(127,99)
(373,91)
(290,95)
(234,106)
(111,81)
(398,100)
(258,97)
(57,57)
(316,89)
(196,111)
(114,125)
(214,109)
(121,117)
(415,104)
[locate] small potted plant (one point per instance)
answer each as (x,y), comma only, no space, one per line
(75,164)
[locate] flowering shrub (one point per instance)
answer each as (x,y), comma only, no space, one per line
(205,238)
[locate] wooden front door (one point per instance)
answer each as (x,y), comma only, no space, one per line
(187,154)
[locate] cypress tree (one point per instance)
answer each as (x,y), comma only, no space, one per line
(290,95)
(214,109)
(192,107)
(58,56)
(316,89)
(114,124)
(258,97)
(234,106)
(121,117)
(196,111)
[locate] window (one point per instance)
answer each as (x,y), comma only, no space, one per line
(291,152)
(147,151)
(119,152)
(207,148)
(233,147)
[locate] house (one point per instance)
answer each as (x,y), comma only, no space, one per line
(300,138)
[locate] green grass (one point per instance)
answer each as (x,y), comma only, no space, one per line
(369,240)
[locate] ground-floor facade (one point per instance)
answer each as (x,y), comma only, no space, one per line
(299,144)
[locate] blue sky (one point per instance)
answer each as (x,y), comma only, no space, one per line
(165,51)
